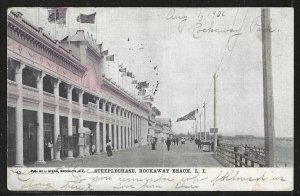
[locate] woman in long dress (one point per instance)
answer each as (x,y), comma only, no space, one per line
(109,148)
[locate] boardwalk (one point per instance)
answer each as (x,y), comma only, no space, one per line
(186,155)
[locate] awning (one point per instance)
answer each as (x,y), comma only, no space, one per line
(84,130)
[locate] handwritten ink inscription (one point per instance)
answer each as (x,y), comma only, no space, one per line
(207,23)
(159,179)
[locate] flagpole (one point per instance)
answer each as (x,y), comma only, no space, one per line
(79,19)
(118,72)
(96,27)
(55,24)
(38,13)
(69,28)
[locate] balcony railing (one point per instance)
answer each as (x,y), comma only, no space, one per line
(30,92)
(11,86)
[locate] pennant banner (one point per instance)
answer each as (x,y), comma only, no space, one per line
(105,52)
(189,116)
(83,18)
(122,70)
(110,58)
(134,82)
(57,15)
(142,92)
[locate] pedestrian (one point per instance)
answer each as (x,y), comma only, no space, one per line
(152,141)
(199,143)
(47,151)
(93,149)
(182,141)
(168,142)
(109,148)
(177,140)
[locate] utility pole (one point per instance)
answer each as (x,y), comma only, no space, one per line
(267,88)
(215,112)
(200,126)
(204,122)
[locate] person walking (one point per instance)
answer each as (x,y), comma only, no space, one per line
(152,141)
(196,142)
(177,140)
(168,142)
(109,148)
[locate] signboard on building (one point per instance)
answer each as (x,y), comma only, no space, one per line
(81,141)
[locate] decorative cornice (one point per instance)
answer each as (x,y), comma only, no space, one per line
(122,93)
(94,53)
(25,33)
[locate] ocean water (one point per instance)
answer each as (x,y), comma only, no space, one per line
(284,148)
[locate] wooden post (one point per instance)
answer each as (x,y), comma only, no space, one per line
(204,123)
(235,149)
(200,127)
(267,88)
(215,112)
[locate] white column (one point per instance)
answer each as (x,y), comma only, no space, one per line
(40,120)
(19,117)
(56,121)
(119,129)
(127,131)
(109,122)
(104,127)
(97,128)
(70,117)
(80,99)
(115,128)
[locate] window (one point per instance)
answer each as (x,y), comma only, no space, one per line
(63,90)
(75,96)
(101,105)
(11,68)
(47,85)
(29,78)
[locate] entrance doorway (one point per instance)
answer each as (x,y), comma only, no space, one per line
(11,136)
(48,136)
(29,136)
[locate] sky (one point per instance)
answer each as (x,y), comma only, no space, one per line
(176,39)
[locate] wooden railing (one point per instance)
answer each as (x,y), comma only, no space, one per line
(235,156)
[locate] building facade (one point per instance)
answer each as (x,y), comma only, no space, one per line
(59,102)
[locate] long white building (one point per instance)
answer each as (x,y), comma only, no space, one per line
(56,93)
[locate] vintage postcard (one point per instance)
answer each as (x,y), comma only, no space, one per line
(150,99)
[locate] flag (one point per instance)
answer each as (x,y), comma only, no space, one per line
(142,85)
(189,116)
(121,66)
(129,74)
(83,18)
(57,15)
(122,69)
(100,47)
(142,92)
(105,52)
(155,67)
(110,58)
(134,82)
(148,98)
